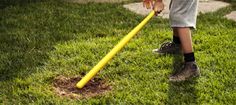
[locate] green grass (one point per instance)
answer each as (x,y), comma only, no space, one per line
(42,40)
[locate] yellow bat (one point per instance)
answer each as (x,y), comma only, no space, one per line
(112,53)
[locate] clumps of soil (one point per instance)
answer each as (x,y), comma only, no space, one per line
(66,87)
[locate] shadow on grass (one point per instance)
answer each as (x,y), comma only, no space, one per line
(6,3)
(182,92)
(26,37)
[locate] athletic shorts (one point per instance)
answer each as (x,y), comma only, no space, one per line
(183,13)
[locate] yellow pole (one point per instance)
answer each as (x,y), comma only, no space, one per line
(112,53)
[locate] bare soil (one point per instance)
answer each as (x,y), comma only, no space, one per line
(66,87)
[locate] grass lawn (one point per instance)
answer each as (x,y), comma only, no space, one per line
(42,40)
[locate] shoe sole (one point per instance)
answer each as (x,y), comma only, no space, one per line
(191,77)
(162,53)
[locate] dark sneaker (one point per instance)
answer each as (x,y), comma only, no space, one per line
(189,70)
(168,48)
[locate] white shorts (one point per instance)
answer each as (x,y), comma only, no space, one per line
(183,13)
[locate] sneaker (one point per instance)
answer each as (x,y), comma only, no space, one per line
(168,48)
(189,70)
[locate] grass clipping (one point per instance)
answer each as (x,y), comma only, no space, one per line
(66,87)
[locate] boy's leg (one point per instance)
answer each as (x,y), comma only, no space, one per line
(176,38)
(183,15)
(190,68)
(184,34)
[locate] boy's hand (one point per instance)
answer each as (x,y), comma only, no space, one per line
(148,3)
(158,7)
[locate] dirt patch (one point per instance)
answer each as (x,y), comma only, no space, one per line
(66,87)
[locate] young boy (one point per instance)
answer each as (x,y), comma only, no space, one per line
(183,15)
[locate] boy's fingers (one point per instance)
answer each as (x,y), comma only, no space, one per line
(157,13)
(147,4)
(152,3)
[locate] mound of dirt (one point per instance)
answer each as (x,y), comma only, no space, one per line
(66,87)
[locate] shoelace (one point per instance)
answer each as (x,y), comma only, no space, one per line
(166,45)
